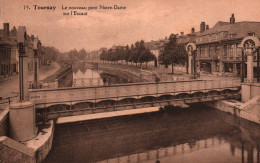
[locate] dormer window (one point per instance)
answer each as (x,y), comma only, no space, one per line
(250,34)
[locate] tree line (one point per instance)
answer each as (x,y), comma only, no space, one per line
(172,53)
(136,53)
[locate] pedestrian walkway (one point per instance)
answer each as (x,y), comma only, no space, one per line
(10,86)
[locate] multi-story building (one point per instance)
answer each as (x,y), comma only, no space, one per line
(8,51)
(217,47)
(9,59)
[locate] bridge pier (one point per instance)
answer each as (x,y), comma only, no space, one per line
(22,121)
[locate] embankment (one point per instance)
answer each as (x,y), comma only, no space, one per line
(61,78)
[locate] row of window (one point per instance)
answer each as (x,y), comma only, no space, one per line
(228,51)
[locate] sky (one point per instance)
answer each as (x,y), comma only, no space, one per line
(141,20)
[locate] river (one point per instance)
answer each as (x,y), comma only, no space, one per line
(195,134)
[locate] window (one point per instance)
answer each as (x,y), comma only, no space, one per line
(225,50)
(231,50)
(210,51)
(201,51)
(217,50)
(239,51)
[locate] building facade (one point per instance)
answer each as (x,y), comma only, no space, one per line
(8,51)
(218,47)
(9,58)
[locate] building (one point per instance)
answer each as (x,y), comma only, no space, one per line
(9,59)
(8,51)
(184,39)
(156,47)
(217,47)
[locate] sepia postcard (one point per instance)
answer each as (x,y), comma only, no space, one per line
(130,81)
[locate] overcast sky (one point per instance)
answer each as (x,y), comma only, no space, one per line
(142,19)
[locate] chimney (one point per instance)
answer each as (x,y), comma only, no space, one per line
(192,30)
(202,26)
(232,19)
(32,37)
(6,29)
(207,26)
(182,33)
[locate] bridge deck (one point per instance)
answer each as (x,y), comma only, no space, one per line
(73,95)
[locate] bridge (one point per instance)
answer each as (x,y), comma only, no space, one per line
(62,102)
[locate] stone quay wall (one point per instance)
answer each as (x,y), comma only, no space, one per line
(249,110)
(65,78)
(12,151)
(4,123)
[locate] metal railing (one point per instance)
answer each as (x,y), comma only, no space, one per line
(7,99)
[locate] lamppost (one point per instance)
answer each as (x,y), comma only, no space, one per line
(191,50)
(36,62)
(23,65)
(250,45)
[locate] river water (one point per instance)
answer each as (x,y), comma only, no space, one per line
(83,76)
(195,134)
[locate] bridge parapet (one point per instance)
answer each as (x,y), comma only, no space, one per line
(72,95)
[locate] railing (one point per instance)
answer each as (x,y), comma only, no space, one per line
(83,82)
(123,91)
(7,99)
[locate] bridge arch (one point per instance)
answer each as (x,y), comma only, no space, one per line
(147,99)
(165,97)
(182,96)
(105,103)
(57,107)
(83,105)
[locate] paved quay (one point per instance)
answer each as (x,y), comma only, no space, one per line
(10,87)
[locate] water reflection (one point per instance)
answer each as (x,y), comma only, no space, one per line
(197,134)
(84,76)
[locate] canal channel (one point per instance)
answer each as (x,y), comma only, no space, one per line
(195,134)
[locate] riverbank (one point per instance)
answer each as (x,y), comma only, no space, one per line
(249,110)
(63,77)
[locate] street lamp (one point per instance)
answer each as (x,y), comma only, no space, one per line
(36,62)
(191,50)
(23,64)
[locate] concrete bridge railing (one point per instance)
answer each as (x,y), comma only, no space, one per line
(73,95)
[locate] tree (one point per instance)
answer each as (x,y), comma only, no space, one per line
(173,53)
(103,56)
(146,56)
(131,54)
(82,54)
(51,53)
(73,55)
(126,54)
